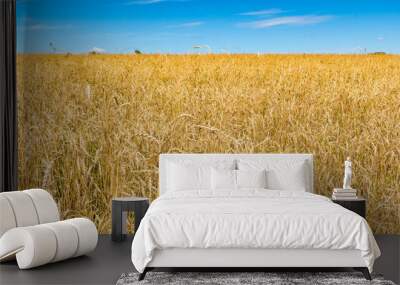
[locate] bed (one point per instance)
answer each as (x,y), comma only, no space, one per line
(246,211)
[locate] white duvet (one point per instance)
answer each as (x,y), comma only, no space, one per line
(251,218)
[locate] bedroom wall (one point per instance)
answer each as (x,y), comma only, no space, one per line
(91,126)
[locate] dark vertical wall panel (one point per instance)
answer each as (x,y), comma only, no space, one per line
(8,100)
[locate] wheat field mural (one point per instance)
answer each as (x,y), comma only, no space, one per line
(92,126)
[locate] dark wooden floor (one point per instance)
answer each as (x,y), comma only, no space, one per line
(110,260)
(103,266)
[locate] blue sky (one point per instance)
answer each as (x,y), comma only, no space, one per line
(220,26)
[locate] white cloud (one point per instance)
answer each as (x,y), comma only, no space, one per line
(380,38)
(98,50)
(290,20)
(202,47)
(262,12)
(144,2)
(148,2)
(39,27)
(187,25)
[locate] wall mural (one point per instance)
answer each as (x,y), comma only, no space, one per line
(104,87)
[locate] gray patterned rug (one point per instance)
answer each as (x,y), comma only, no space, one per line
(268,278)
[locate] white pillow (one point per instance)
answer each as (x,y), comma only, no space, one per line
(205,162)
(251,178)
(291,175)
(188,177)
(223,179)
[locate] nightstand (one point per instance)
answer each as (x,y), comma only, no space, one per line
(120,207)
(357,205)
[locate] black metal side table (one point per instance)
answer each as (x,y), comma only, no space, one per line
(120,207)
(357,205)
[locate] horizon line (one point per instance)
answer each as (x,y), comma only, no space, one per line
(210,53)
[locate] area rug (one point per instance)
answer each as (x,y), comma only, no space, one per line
(244,278)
